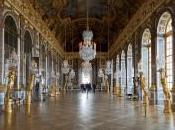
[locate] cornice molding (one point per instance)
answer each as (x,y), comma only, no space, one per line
(137,20)
(75,55)
(28,12)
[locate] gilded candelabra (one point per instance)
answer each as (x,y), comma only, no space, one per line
(10,85)
(167,100)
(53,90)
(29,93)
(145,93)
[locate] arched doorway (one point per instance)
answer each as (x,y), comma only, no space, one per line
(130,70)
(164,48)
(27,56)
(146,56)
(10,44)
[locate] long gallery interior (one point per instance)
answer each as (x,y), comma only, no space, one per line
(87,64)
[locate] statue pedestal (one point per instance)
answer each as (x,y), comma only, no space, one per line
(145,100)
(173,100)
(167,106)
(8,105)
(115,90)
(28,97)
(152,97)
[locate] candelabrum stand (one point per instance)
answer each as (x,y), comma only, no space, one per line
(29,90)
(145,93)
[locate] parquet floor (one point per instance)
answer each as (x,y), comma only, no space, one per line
(77,111)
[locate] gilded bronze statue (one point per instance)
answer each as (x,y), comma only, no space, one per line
(10,86)
(167,96)
(143,85)
(29,90)
(164,84)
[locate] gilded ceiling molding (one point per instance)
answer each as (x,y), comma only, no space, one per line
(75,55)
(138,19)
(28,12)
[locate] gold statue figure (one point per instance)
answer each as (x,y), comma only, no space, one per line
(167,101)
(145,93)
(10,85)
(164,85)
(53,90)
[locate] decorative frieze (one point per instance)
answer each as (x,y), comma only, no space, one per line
(75,55)
(34,18)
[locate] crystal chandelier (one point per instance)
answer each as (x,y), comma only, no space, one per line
(53,74)
(72,74)
(86,67)
(108,68)
(13,60)
(65,67)
(87,48)
(100,73)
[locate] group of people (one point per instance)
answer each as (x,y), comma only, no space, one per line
(87,87)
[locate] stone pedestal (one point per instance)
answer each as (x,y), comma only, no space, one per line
(116,90)
(167,106)
(173,99)
(145,100)
(8,105)
(152,96)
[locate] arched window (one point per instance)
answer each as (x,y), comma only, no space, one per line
(123,72)
(130,70)
(146,56)
(117,74)
(164,48)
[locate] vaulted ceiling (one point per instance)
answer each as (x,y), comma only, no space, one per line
(70,15)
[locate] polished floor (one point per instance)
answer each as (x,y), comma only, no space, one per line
(79,111)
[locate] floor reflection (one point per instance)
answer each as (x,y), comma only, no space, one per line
(79,111)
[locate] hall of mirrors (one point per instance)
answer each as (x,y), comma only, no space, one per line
(141,60)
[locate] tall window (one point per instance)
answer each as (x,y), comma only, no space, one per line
(117,74)
(164,48)
(169,53)
(123,72)
(130,70)
(146,56)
